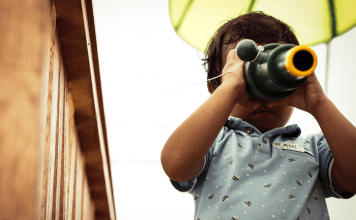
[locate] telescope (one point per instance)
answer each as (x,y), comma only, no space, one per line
(275,71)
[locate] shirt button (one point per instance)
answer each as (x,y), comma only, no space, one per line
(249,130)
(264,140)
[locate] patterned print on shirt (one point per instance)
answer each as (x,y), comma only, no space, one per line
(247,203)
(240,145)
(299,182)
(309,174)
(195,197)
(250,166)
(236,178)
(291,197)
(321,140)
(268,185)
(291,160)
(308,209)
(211,196)
(225,198)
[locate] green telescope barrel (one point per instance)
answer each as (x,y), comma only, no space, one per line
(275,71)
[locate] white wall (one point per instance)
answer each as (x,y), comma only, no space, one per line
(342,91)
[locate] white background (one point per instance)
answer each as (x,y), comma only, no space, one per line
(143,63)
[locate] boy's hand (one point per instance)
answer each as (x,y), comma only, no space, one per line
(236,79)
(307,97)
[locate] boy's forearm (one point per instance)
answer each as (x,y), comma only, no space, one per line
(341,137)
(184,152)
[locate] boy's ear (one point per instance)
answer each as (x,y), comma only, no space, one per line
(210,88)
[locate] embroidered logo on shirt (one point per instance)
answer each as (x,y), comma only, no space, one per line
(289,146)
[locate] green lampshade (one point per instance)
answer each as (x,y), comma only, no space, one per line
(313,21)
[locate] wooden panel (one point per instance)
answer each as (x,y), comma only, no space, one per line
(60,148)
(66,151)
(72,177)
(86,201)
(24,33)
(79,188)
(53,145)
(65,174)
(76,32)
(53,66)
(53,128)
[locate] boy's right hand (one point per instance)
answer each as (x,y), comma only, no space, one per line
(236,79)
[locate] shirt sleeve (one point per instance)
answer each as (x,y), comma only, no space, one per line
(326,160)
(189,185)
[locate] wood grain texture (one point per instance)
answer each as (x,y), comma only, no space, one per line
(54,160)
(72,176)
(24,26)
(48,88)
(78,43)
(65,171)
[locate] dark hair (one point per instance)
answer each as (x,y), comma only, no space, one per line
(256,26)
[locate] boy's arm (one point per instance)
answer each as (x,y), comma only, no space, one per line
(183,154)
(338,131)
(341,137)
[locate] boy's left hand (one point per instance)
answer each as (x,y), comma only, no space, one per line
(307,97)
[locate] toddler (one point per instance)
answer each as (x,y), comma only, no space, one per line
(236,158)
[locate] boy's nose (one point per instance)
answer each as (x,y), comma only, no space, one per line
(264,103)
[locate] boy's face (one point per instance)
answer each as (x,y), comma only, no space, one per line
(263,117)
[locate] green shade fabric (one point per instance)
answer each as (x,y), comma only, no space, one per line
(313,21)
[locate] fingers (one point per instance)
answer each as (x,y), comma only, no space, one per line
(233,62)
(232,57)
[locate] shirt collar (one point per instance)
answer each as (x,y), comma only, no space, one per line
(292,131)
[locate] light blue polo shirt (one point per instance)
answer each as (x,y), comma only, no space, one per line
(275,175)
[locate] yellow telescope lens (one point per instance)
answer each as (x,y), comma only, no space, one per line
(300,61)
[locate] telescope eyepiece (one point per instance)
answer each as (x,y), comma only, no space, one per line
(303,60)
(300,61)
